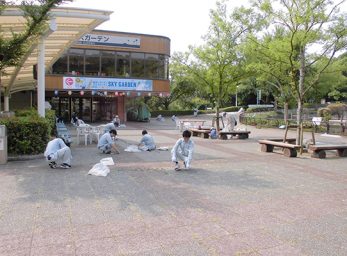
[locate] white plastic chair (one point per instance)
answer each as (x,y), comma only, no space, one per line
(96,132)
(86,132)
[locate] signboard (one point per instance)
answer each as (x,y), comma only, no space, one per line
(112,84)
(316,120)
(108,40)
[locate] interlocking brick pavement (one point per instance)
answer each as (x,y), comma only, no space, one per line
(235,200)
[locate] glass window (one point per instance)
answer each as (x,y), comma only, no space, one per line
(137,64)
(123,64)
(60,66)
(163,67)
(76,61)
(108,63)
(92,62)
(151,65)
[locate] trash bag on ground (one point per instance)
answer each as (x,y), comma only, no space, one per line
(132,148)
(99,169)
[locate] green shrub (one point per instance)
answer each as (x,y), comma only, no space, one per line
(172,112)
(230,109)
(262,122)
(260,109)
(28,133)
(325,113)
(337,109)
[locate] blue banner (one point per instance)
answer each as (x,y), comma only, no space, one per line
(112,84)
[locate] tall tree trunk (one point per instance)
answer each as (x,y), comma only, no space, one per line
(285,114)
(300,98)
(299,112)
(217,118)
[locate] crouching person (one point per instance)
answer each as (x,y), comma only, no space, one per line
(147,142)
(183,150)
(58,152)
(107,144)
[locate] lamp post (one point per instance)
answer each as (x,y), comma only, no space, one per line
(236,96)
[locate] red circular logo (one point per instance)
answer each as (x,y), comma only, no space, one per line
(69,81)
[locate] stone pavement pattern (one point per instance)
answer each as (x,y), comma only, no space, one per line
(235,200)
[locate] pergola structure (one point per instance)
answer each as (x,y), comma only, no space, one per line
(66,25)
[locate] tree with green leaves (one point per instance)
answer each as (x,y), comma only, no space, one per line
(315,32)
(264,57)
(13,48)
(36,14)
(334,79)
(218,63)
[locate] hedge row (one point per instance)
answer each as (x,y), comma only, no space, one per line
(191,112)
(27,133)
(172,112)
(272,123)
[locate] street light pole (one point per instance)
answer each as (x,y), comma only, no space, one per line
(236,96)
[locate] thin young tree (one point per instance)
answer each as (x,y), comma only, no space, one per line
(13,48)
(218,63)
(315,32)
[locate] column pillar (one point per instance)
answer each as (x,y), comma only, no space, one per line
(41,78)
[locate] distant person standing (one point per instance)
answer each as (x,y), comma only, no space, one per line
(196,112)
(230,122)
(183,150)
(147,142)
(58,151)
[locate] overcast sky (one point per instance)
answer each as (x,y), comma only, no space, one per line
(183,21)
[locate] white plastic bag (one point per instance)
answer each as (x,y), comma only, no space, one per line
(163,148)
(107,161)
(99,169)
(132,148)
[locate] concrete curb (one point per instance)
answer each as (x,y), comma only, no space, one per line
(24,157)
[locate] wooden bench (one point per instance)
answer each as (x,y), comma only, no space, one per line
(319,150)
(240,134)
(289,150)
(287,140)
(203,133)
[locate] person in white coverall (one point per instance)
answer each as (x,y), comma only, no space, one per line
(147,142)
(107,144)
(110,126)
(230,122)
(57,151)
(183,150)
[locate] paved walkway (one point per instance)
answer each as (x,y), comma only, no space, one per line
(235,200)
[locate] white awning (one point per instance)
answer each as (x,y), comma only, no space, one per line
(71,24)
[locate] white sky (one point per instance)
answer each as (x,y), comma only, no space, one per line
(183,21)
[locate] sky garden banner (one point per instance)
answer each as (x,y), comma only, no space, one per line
(112,84)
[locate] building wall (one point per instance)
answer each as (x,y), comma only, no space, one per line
(149,43)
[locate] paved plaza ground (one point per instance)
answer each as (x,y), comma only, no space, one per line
(235,200)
